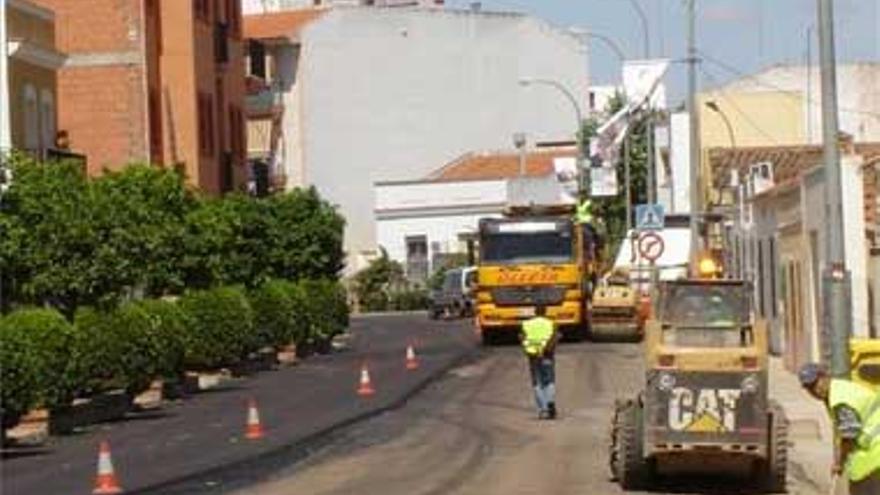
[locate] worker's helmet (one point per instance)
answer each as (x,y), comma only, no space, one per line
(810,373)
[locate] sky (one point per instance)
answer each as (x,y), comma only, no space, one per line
(743,35)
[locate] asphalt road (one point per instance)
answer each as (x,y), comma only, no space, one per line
(475,432)
(197,445)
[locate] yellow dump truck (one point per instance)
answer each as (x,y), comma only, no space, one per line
(534,256)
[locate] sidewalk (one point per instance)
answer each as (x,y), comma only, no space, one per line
(810,431)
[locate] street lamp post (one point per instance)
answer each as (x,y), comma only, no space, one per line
(742,238)
(645,30)
(607,40)
(711,105)
(583,179)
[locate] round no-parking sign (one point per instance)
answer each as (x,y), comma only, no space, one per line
(651,246)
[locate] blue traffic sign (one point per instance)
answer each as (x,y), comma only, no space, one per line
(649,217)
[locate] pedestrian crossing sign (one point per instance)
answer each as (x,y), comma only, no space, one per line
(649,217)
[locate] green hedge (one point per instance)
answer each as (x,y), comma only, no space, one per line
(121,348)
(48,361)
(409,300)
(220,328)
(35,355)
(308,311)
(326,308)
(169,325)
(275,313)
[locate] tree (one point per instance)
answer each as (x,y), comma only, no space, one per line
(70,241)
(611,212)
(373,284)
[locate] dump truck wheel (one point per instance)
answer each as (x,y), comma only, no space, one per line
(775,468)
(630,467)
(488,337)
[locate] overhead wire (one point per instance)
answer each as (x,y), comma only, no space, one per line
(786,91)
(732,103)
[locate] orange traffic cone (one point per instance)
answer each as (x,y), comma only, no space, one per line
(254,430)
(411,361)
(105,482)
(366,386)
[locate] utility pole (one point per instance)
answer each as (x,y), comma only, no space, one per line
(694,154)
(5,132)
(627,184)
(835,277)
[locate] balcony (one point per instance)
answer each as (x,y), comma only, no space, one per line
(221,43)
(265,102)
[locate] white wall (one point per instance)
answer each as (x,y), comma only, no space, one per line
(391,94)
(445,230)
(679,125)
(403,197)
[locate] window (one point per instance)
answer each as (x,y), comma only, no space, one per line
(417,257)
(233,17)
(47,119)
(206,124)
(761,295)
(772,269)
(202,10)
(257,59)
(155,117)
(31,119)
(236,130)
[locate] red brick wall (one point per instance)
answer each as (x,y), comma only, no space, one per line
(95,25)
(102,108)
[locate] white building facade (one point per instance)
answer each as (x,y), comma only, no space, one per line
(380,94)
(419,223)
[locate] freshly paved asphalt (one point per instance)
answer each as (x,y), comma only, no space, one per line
(475,432)
(197,445)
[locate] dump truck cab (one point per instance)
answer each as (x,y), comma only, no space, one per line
(533,256)
(705,407)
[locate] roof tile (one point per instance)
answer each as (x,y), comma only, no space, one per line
(499,165)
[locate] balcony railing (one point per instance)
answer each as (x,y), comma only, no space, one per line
(221,43)
(266,101)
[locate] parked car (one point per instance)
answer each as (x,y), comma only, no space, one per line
(455,299)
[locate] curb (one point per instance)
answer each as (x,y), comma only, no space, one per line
(242,473)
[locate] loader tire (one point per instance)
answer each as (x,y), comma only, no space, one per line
(628,463)
(775,467)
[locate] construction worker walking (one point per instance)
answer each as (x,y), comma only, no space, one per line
(538,338)
(855,411)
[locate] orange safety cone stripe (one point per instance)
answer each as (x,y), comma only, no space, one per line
(254,429)
(106,482)
(366,385)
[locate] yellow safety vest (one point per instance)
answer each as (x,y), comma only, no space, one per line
(539,331)
(584,212)
(865,460)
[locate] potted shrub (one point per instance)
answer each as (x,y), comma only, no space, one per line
(38,366)
(219,330)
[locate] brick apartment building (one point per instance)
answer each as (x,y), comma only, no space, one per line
(157,80)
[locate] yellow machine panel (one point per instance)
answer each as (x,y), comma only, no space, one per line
(866,362)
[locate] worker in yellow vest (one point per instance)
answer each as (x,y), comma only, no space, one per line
(855,410)
(538,338)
